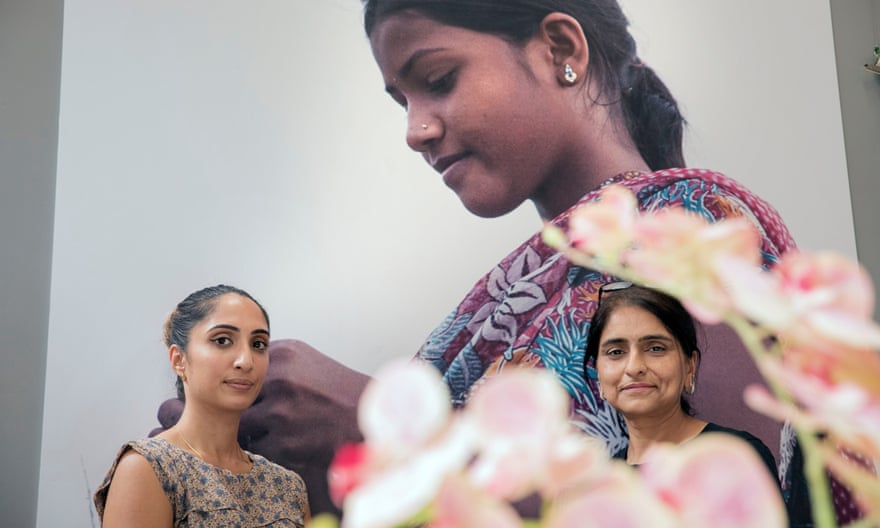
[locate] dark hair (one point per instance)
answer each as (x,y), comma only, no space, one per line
(191,311)
(674,317)
(651,114)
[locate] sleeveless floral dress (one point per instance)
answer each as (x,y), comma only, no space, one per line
(203,495)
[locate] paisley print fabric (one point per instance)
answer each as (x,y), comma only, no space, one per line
(534,307)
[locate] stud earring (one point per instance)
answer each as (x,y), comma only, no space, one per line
(569,74)
(424,126)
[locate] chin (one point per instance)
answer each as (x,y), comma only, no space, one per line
(484,210)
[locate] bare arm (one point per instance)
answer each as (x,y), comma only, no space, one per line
(135,497)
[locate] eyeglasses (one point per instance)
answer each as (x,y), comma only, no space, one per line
(612,287)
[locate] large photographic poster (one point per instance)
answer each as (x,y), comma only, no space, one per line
(252,143)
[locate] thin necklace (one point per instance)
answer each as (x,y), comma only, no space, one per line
(199,453)
(193,449)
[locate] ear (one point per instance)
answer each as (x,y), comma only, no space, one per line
(178,360)
(567,45)
(692,363)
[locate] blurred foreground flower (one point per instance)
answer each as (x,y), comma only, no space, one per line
(807,323)
(430,466)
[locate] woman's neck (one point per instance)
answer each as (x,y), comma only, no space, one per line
(214,439)
(584,170)
(645,432)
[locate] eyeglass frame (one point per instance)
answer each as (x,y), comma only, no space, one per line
(611,287)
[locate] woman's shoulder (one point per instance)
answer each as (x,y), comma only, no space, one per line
(745,435)
(712,195)
(153,446)
(285,489)
(133,474)
(166,458)
(131,463)
(266,466)
(712,427)
(139,453)
(756,443)
(678,184)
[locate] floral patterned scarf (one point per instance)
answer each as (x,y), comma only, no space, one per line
(534,308)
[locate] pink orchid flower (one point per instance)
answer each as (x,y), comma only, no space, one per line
(680,253)
(577,462)
(836,364)
(809,299)
(519,416)
(844,409)
(349,469)
(412,444)
(403,407)
(398,492)
(688,478)
(604,228)
(460,505)
(621,501)
(849,420)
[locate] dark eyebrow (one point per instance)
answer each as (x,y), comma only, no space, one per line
(410,63)
(620,340)
(225,327)
(237,329)
(656,338)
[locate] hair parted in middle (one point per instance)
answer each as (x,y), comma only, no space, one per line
(666,308)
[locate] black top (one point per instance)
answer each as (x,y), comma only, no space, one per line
(762,450)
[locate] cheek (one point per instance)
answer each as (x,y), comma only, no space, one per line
(675,374)
(504,123)
(261,363)
(606,372)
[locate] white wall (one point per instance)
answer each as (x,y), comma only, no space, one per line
(758,84)
(856,32)
(30,74)
(252,143)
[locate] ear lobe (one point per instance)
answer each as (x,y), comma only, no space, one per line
(568,46)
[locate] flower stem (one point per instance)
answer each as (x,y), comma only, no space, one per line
(814,468)
(817,481)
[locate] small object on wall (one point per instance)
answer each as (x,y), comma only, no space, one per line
(875,68)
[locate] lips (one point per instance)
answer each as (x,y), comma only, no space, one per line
(441,164)
(637,386)
(240,384)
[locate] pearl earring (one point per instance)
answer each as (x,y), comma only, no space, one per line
(569,74)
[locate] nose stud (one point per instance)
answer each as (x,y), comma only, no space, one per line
(424,126)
